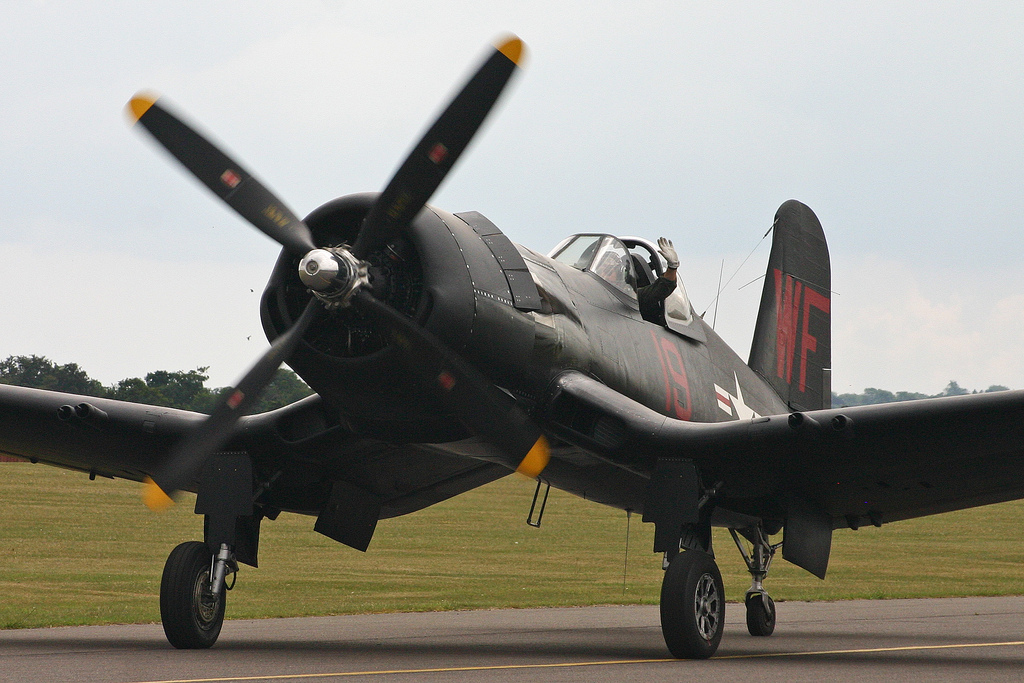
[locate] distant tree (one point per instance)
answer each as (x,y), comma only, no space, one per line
(285,388)
(953,389)
(136,390)
(185,390)
(872,396)
(40,372)
(910,396)
(847,399)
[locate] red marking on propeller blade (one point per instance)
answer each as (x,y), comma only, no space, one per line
(446,380)
(230,178)
(236,399)
(437,153)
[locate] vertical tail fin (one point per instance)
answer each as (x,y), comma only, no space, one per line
(792,346)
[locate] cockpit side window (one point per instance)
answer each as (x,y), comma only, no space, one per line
(614,265)
(579,251)
(605,256)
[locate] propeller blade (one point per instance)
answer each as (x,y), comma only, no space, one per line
(485,410)
(187,458)
(435,154)
(225,178)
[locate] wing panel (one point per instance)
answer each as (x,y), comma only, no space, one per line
(863,465)
(119,439)
(297,451)
(903,460)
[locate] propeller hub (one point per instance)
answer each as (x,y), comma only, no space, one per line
(333,274)
(319,270)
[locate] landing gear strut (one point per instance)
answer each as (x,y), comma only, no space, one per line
(760,606)
(191,602)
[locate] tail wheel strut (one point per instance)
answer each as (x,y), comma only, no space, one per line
(760,606)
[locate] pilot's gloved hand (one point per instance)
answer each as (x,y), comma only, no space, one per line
(669,252)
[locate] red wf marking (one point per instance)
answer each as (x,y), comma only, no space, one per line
(790,297)
(677,385)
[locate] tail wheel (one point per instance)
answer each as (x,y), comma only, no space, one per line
(192,616)
(692,606)
(760,614)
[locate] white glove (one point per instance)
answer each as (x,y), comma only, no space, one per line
(669,252)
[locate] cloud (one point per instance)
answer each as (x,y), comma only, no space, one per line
(900,326)
(694,120)
(118,315)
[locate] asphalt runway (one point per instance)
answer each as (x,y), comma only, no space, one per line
(965,638)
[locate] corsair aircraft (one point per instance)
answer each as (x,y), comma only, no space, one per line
(444,357)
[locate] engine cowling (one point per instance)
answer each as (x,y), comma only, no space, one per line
(456,275)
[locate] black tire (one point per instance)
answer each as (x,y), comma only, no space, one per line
(760,614)
(692,606)
(192,619)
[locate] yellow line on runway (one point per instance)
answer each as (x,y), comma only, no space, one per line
(510,667)
(451,669)
(907,648)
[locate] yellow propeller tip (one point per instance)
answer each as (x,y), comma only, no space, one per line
(512,47)
(154,497)
(536,460)
(139,105)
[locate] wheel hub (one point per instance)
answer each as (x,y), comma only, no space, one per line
(205,601)
(706,600)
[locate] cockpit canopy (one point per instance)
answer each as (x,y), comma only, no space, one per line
(604,255)
(626,264)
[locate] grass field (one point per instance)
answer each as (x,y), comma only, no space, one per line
(74,551)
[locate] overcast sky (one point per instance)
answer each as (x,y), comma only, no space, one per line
(898,123)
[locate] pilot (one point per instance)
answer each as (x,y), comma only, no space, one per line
(616,270)
(652,295)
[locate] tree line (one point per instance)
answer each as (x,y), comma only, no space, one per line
(182,389)
(872,396)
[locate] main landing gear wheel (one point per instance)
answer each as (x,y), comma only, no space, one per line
(192,616)
(760,614)
(692,605)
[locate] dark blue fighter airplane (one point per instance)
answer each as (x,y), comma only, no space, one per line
(444,357)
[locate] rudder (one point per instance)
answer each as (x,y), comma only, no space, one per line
(792,345)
